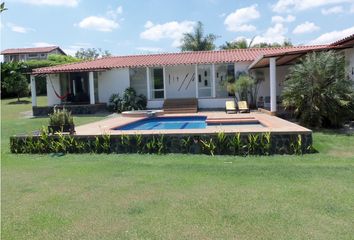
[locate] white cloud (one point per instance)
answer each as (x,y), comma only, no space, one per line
(72,49)
(238,21)
(66,3)
(275,34)
(306,27)
(352,9)
(332,10)
(113,13)
(331,37)
(299,5)
(148,24)
(42,44)
(149,49)
(222,15)
(98,23)
(170,30)
(280,19)
(19,29)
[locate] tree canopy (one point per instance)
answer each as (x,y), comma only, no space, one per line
(53,60)
(196,41)
(2,7)
(13,79)
(91,53)
(243,44)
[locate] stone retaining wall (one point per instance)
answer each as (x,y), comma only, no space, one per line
(75,109)
(287,143)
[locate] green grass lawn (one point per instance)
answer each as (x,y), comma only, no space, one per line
(175,196)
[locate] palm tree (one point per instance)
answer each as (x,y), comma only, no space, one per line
(239,44)
(2,7)
(319,90)
(196,41)
(242,44)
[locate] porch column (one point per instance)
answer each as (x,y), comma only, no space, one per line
(33,91)
(196,81)
(164,82)
(148,83)
(213,79)
(92,88)
(273,84)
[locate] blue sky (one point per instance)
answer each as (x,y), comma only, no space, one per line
(144,26)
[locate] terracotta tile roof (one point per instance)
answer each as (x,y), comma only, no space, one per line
(29,50)
(170,59)
(343,40)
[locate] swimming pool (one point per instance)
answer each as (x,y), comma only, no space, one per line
(156,123)
(192,122)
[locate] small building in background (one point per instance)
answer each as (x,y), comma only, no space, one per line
(26,54)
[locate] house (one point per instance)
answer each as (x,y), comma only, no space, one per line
(200,75)
(25,54)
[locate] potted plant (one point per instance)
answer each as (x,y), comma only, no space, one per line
(61,121)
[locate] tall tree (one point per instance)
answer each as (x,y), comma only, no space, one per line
(13,80)
(319,90)
(91,53)
(2,7)
(239,44)
(196,41)
(286,43)
(243,44)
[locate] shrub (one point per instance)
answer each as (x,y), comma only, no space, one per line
(251,144)
(61,118)
(319,90)
(115,103)
(129,101)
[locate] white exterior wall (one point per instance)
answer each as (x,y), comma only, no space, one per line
(154,104)
(203,103)
(213,103)
(112,81)
(264,88)
(349,58)
(52,98)
(174,79)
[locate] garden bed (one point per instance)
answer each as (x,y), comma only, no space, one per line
(212,144)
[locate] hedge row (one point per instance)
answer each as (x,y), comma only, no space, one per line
(218,144)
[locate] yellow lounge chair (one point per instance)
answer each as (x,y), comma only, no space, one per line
(230,106)
(243,107)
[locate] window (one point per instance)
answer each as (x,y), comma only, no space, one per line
(157,83)
(32,55)
(225,74)
(204,81)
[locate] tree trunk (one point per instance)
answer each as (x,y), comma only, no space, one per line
(18,97)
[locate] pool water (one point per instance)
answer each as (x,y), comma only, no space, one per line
(189,122)
(195,122)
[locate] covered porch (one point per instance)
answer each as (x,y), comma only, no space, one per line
(274,69)
(76,91)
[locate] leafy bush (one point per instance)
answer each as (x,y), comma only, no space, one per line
(319,90)
(115,103)
(61,118)
(245,87)
(129,101)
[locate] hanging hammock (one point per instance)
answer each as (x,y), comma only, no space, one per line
(56,93)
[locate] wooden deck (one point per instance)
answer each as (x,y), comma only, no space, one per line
(189,105)
(269,124)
